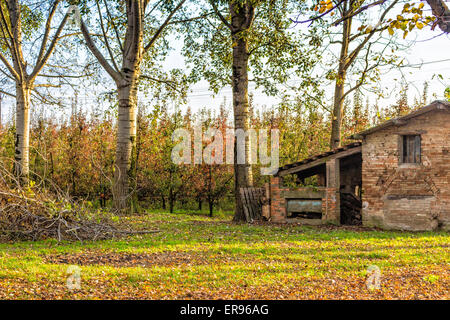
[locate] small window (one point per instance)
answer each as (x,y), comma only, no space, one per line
(411,149)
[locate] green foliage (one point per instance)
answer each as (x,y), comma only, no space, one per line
(32,19)
(276,51)
(412,17)
(432,278)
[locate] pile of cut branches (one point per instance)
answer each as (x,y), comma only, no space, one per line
(26,214)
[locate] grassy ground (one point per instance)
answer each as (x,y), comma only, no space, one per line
(196,257)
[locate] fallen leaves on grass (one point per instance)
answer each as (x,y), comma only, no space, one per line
(220,260)
(404,283)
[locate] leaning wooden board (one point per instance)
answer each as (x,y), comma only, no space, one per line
(252,200)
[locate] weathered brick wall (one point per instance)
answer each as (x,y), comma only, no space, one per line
(330,207)
(408,196)
(277,202)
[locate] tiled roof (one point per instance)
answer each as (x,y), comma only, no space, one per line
(436,105)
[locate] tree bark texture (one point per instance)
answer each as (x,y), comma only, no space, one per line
(22,135)
(242,15)
(338,103)
(125,161)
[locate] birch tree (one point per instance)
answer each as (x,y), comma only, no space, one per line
(18,67)
(129,31)
(242,15)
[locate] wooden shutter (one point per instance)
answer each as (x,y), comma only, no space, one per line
(417,151)
(411,146)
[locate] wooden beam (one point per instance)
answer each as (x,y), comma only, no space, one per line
(319,162)
(333,174)
(305,193)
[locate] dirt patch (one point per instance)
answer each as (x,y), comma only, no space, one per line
(125,259)
(145,260)
(325,227)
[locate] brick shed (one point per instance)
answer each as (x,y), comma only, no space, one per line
(397,176)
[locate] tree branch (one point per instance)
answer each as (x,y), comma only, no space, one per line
(7,93)
(47,85)
(321,15)
(166,82)
(203,16)
(161,28)
(442,13)
(13,49)
(354,13)
(114,26)
(9,66)
(50,49)
(8,75)
(60,76)
(356,51)
(221,17)
(47,31)
(101,59)
(106,38)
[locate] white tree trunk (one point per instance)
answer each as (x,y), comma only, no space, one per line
(242,172)
(22,136)
(126,80)
(125,145)
(338,109)
(241,20)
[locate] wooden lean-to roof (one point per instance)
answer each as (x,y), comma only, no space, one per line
(320,159)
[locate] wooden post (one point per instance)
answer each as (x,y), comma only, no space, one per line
(333,194)
(266,201)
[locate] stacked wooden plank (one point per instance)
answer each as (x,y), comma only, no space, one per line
(253,199)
